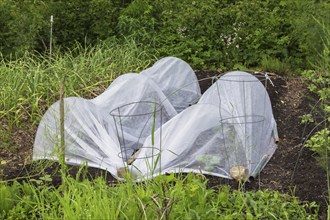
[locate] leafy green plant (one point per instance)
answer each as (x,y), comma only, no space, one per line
(208,161)
(319,80)
(318,83)
(319,143)
(165,197)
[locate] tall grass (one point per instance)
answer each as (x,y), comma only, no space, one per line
(166,197)
(30,84)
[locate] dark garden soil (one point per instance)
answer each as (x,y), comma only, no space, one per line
(292,169)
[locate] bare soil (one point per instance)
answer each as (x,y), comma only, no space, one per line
(293,168)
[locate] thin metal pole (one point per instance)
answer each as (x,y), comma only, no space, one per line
(51,36)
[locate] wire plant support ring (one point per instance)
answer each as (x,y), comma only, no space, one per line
(243,129)
(134,122)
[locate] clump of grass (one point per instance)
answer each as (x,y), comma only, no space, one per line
(165,197)
(275,65)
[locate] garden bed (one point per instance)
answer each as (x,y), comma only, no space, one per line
(292,169)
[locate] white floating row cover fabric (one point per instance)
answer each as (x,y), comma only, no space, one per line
(182,91)
(90,129)
(231,125)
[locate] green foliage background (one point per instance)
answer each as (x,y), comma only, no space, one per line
(205,33)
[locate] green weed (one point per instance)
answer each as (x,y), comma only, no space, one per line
(165,197)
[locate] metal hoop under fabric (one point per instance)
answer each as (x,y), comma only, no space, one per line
(229,78)
(248,119)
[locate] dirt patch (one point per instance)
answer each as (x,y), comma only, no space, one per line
(15,148)
(292,169)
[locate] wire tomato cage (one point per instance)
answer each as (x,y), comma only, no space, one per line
(134,123)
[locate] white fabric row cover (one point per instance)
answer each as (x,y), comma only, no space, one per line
(90,125)
(231,126)
(177,81)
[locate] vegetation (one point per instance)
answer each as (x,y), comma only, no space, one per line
(205,33)
(319,84)
(274,65)
(166,197)
(97,40)
(32,82)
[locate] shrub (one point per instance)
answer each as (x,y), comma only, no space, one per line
(86,22)
(220,34)
(20,24)
(205,33)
